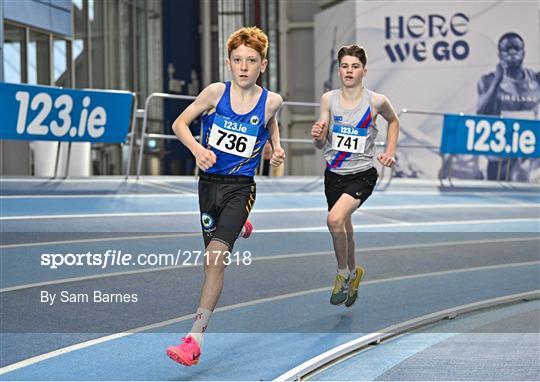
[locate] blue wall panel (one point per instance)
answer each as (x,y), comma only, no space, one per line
(53,16)
(181,53)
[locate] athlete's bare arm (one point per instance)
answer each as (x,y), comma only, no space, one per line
(319,130)
(274,102)
(205,101)
(385,109)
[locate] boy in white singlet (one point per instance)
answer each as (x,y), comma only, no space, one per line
(346,132)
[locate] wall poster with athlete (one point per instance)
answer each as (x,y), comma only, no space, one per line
(444,57)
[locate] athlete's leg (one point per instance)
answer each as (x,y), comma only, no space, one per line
(356,273)
(214,271)
(189,351)
(337,225)
(232,218)
(350,244)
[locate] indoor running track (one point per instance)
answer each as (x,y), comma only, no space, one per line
(424,248)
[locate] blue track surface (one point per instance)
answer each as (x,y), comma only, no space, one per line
(424,248)
(506,337)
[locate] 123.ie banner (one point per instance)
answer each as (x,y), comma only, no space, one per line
(57,114)
(480,135)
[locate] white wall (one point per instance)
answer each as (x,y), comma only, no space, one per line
(431,84)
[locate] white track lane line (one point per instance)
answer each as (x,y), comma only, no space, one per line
(99,240)
(276,230)
(96,341)
(273,210)
(176,193)
(275,257)
(406,224)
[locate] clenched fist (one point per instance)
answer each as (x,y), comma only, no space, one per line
(318,130)
(386,160)
(204,158)
(278,157)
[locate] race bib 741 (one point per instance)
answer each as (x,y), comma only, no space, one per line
(349,139)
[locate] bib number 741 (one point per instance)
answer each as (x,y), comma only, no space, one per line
(348,139)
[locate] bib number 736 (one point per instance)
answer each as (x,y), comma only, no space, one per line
(232,141)
(233,137)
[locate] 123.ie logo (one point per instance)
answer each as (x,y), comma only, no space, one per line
(90,121)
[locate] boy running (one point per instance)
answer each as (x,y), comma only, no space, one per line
(346,132)
(238,118)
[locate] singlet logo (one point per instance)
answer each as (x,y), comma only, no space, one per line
(338,118)
(254,120)
(207,221)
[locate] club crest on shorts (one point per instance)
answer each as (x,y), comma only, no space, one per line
(207,221)
(254,120)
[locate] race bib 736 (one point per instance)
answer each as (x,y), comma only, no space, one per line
(233,137)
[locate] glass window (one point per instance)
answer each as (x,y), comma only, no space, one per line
(39,70)
(96,16)
(13,53)
(125,48)
(230,18)
(60,63)
(110,43)
(78,4)
(141,43)
(80,44)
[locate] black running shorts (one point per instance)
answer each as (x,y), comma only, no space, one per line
(224,202)
(359,185)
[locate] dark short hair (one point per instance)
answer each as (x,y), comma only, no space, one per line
(353,50)
(509,35)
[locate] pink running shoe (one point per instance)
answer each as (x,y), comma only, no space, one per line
(246,230)
(187,353)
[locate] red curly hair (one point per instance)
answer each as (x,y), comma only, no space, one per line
(252,37)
